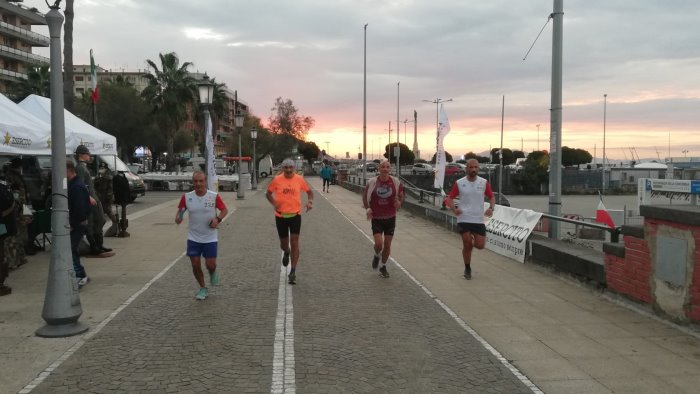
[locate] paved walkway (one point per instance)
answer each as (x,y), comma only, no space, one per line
(341,328)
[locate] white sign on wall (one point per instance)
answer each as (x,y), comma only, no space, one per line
(507,231)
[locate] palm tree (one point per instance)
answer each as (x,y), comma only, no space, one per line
(170,91)
(38,82)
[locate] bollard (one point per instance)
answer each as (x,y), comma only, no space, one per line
(421,201)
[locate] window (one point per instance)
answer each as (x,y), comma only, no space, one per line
(79,90)
(78,78)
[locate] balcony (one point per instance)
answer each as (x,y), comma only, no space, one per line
(22,56)
(28,36)
(14,76)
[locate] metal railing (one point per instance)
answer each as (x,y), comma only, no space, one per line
(26,34)
(25,56)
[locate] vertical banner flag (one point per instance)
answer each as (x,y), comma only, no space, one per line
(212,179)
(440,159)
(602,215)
(93,74)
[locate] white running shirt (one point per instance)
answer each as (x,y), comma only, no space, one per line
(201,210)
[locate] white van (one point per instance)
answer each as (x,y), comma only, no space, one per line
(265,167)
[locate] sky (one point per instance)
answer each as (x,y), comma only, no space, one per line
(643,54)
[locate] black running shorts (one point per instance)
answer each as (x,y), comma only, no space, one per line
(384,226)
(475,228)
(286,226)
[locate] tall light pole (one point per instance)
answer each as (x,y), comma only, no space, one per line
(238,122)
(328,151)
(254,137)
(62,307)
(500,152)
(437,102)
(605,113)
(405,142)
(555,118)
(398,131)
(364,113)
(538,137)
(206,94)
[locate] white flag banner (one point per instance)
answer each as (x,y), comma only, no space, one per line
(507,231)
(212,179)
(440,159)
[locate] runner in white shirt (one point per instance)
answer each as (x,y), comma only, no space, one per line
(202,235)
(471,190)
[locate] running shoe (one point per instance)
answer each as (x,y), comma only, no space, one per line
(214,278)
(383,272)
(375,262)
(83,281)
(467,272)
(292,278)
(202,293)
(285,259)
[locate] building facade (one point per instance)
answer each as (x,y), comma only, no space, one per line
(17,40)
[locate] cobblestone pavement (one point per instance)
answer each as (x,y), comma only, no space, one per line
(353,331)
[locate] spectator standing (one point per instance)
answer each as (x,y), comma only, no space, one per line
(7,229)
(284,193)
(78,213)
(105,193)
(202,236)
(15,244)
(96,220)
(471,190)
(326,175)
(382,198)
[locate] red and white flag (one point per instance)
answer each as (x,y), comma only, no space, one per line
(602,215)
(93,74)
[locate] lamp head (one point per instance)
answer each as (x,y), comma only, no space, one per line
(239,119)
(206,90)
(254,133)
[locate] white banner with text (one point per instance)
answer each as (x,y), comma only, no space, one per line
(507,231)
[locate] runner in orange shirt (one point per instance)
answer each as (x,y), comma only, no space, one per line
(284,193)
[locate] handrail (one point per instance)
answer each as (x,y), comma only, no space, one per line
(614,232)
(27,33)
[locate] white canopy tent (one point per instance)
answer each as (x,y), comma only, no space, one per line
(78,132)
(21,132)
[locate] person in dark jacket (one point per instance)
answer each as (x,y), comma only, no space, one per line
(7,229)
(78,212)
(96,219)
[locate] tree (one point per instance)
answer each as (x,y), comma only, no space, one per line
(170,92)
(38,82)
(124,114)
(448,157)
(573,157)
(534,173)
(508,157)
(68,95)
(309,150)
(405,157)
(472,155)
(285,120)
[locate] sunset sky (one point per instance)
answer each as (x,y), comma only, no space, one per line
(643,54)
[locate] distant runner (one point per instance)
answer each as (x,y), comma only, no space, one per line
(382,197)
(284,193)
(202,235)
(471,190)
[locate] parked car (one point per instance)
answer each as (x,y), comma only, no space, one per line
(422,169)
(136,185)
(455,169)
(501,199)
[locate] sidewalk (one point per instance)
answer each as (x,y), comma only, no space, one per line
(349,330)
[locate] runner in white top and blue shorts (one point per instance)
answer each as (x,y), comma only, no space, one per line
(471,190)
(202,236)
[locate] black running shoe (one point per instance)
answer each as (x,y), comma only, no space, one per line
(383,272)
(375,262)
(292,278)
(285,259)
(467,272)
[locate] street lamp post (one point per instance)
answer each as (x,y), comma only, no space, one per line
(254,136)
(538,137)
(605,113)
(62,307)
(238,119)
(206,94)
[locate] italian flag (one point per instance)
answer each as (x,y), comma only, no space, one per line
(93,73)
(602,215)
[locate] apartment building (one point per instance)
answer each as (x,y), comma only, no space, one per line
(17,40)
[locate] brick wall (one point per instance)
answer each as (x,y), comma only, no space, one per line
(629,267)
(630,275)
